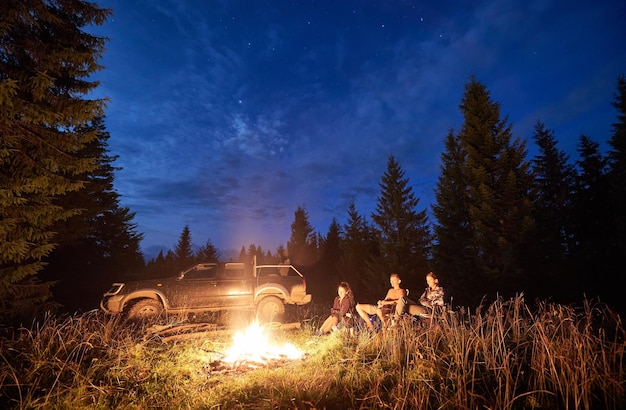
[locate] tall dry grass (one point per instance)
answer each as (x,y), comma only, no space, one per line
(501,356)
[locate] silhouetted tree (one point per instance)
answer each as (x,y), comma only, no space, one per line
(283,255)
(183,252)
(46,58)
(160,257)
(98,246)
(161,266)
(496,182)
(454,249)
(499,188)
(591,215)
(548,259)
(404,233)
(326,268)
(207,253)
(359,246)
(254,251)
(302,244)
(302,251)
(171,265)
(243,255)
(617,193)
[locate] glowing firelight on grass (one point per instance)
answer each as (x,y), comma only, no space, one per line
(253,345)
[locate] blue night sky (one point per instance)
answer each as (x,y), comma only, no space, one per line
(228,115)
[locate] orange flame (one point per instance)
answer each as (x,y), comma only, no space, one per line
(253,345)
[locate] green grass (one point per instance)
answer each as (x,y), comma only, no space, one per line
(502,356)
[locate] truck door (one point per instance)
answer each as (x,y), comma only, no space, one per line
(236,287)
(198,287)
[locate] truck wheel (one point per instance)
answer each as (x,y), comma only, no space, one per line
(270,309)
(145,309)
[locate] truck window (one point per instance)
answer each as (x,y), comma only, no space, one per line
(268,271)
(201,272)
(237,272)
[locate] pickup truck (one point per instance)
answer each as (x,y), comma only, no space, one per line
(211,287)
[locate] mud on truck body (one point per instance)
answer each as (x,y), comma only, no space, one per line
(211,287)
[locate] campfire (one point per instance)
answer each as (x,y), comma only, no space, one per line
(252,348)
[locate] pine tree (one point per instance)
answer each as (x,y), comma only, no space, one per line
(98,246)
(554,178)
(183,252)
(283,255)
(207,253)
(492,183)
(404,233)
(160,259)
(453,251)
(154,268)
(255,251)
(302,245)
(252,253)
(591,216)
(359,246)
(168,267)
(326,268)
(243,255)
(499,184)
(46,59)
(617,186)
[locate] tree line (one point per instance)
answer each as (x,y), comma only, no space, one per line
(503,223)
(548,227)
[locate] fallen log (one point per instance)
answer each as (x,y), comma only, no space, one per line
(188,332)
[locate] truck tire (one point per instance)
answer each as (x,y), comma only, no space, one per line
(270,309)
(145,309)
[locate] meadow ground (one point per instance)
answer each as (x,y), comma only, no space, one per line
(501,356)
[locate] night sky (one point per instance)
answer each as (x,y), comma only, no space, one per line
(228,115)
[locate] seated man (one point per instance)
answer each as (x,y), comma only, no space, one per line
(430,299)
(382,307)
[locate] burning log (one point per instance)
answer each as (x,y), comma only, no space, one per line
(246,364)
(198,330)
(178,332)
(252,350)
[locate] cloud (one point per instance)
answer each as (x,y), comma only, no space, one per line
(228,117)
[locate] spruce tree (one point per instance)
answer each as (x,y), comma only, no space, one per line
(453,250)
(155,268)
(492,185)
(302,250)
(243,255)
(617,189)
(183,252)
(549,253)
(253,252)
(326,266)
(282,255)
(98,246)
(207,253)
(359,246)
(262,257)
(404,233)
(592,220)
(302,245)
(46,58)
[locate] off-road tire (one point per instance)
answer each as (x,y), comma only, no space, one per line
(145,309)
(270,309)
